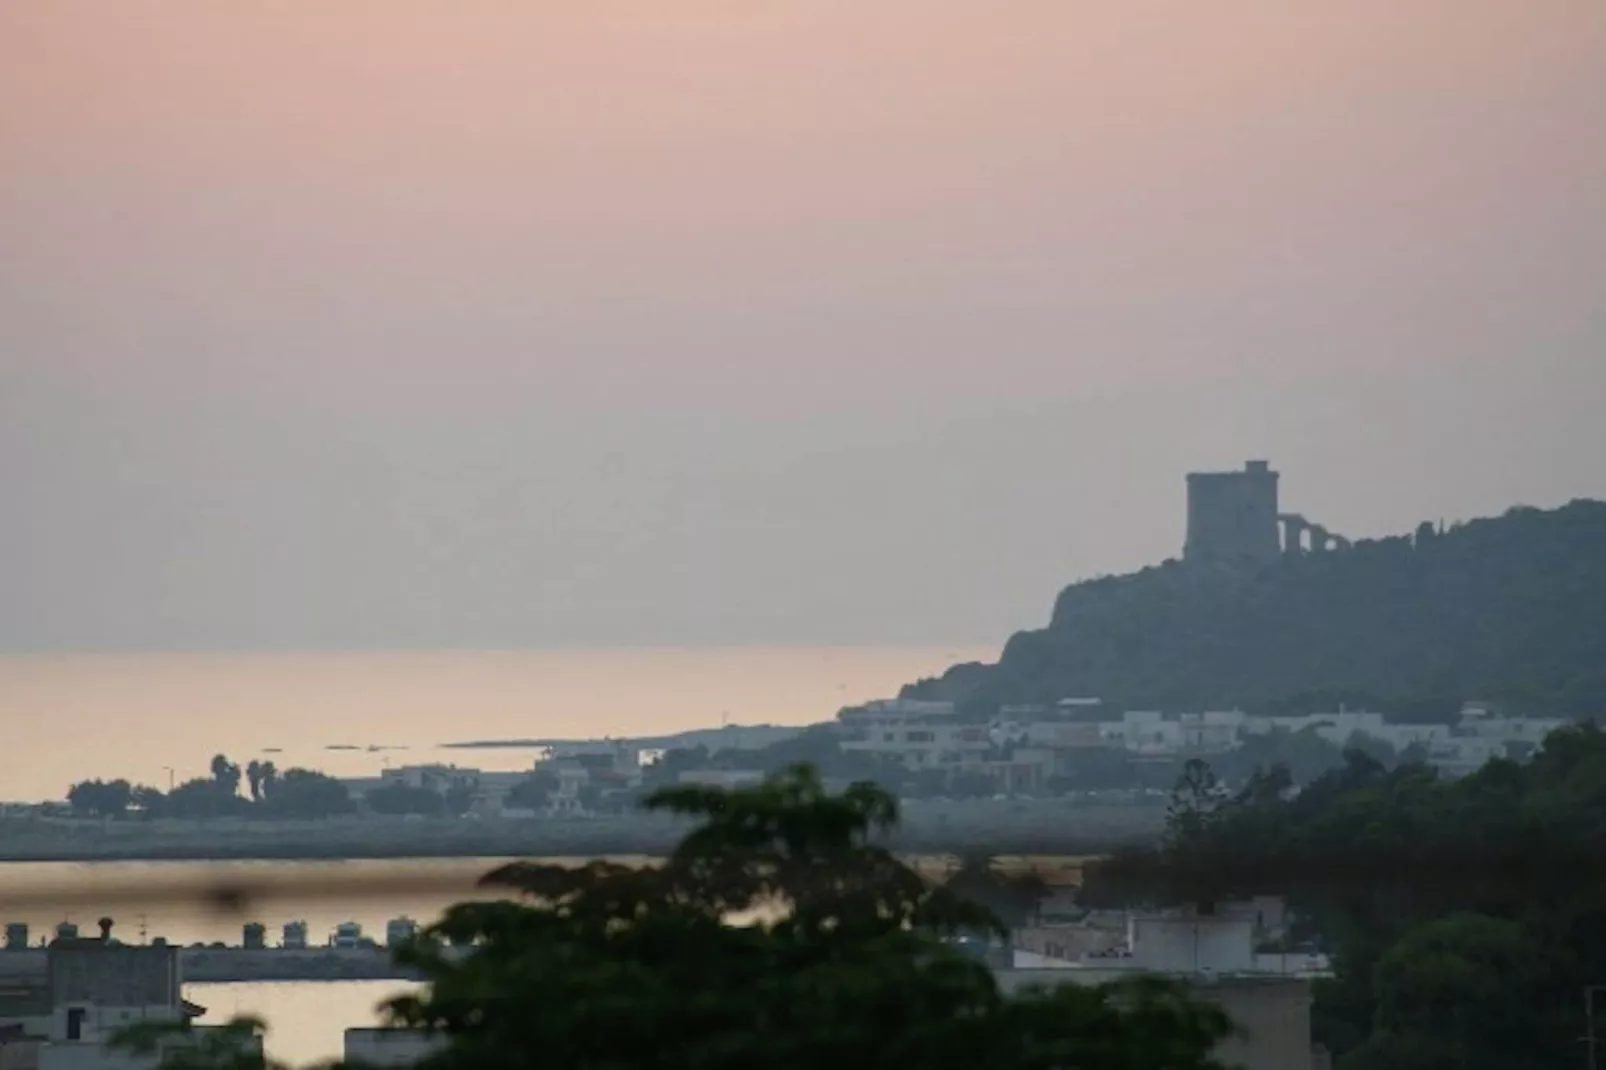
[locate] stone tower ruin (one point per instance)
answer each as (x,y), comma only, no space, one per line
(1233,517)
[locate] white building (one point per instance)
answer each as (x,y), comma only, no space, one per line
(1213,730)
(99,988)
(920,735)
(1144,732)
(1215,957)
(437,778)
(1193,943)
(1482,721)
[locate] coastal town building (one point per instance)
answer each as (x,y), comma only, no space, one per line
(1213,954)
(1026,746)
(91,990)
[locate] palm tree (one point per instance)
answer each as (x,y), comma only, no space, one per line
(253,779)
(225,775)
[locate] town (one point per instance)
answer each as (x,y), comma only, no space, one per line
(925,749)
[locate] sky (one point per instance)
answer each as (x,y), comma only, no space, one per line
(372,324)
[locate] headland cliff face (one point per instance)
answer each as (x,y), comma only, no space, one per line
(1507,609)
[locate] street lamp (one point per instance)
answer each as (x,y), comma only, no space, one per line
(169,769)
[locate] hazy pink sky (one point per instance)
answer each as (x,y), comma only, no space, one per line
(338,322)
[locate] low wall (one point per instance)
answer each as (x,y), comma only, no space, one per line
(1040,826)
(227,965)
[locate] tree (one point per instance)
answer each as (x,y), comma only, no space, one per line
(253,779)
(226,775)
(100,798)
(1305,754)
(1379,750)
(305,793)
(270,778)
(1195,798)
(1463,916)
(1012,899)
(203,798)
(1455,992)
(848,960)
(148,800)
(535,791)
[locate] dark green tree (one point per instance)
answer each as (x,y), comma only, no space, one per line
(225,775)
(203,797)
(148,801)
(304,793)
(101,798)
(844,959)
(1463,917)
(1012,898)
(533,792)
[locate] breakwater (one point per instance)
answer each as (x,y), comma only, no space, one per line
(239,965)
(1036,826)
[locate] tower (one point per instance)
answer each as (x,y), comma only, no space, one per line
(1232,517)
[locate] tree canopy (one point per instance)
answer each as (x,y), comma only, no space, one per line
(1464,917)
(294,793)
(779,933)
(101,798)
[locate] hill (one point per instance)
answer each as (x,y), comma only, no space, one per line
(1507,609)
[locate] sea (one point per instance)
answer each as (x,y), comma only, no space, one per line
(160,718)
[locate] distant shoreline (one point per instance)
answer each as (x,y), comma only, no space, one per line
(1046,826)
(751,734)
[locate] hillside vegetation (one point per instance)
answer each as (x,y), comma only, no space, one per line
(1508,609)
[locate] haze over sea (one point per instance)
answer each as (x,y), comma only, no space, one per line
(71,717)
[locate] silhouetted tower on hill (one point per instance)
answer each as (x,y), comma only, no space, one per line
(1232,517)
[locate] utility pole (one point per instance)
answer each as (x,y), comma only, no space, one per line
(1590,1044)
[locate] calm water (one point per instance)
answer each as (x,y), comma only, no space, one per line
(154,717)
(149,718)
(306,1021)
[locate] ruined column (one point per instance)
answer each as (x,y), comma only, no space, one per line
(1294,528)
